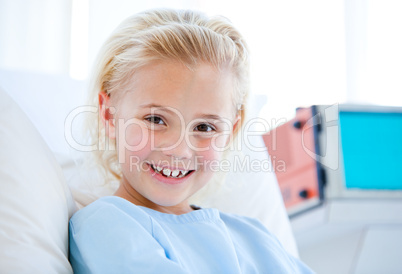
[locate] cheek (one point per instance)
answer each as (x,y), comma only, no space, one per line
(209,160)
(216,143)
(210,155)
(220,142)
(133,142)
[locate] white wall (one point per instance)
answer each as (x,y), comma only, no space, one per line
(303,52)
(35,35)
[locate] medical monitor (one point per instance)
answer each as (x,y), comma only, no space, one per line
(369,150)
(338,151)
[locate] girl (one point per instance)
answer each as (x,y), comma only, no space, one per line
(171,87)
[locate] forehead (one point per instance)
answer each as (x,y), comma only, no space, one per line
(203,88)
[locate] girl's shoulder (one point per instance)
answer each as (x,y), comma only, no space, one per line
(109,209)
(116,210)
(120,212)
(249,229)
(240,222)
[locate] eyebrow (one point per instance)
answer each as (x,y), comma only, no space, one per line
(167,109)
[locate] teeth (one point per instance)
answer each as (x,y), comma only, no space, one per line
(184,172)
(169,173)
(166,172)
(175,173)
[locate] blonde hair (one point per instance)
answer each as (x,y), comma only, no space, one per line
(181,35)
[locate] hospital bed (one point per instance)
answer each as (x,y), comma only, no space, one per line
(43,181)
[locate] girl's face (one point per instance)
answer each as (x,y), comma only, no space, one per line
(171,127)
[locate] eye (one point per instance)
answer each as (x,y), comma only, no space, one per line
(205,128)
(155,120)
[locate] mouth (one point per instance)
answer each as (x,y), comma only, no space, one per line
(170,173)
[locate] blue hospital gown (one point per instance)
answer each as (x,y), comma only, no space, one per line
(113,235)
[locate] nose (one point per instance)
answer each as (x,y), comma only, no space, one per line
(176,146)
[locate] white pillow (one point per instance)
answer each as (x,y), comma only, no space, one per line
(35,202)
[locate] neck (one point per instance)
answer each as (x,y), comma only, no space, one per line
(130,194)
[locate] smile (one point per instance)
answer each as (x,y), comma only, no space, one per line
(169,173)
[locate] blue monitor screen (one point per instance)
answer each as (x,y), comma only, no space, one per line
(372,149)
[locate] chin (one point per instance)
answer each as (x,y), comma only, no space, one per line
(168,201)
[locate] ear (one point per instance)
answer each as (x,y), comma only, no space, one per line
(106,115)
(237,122)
